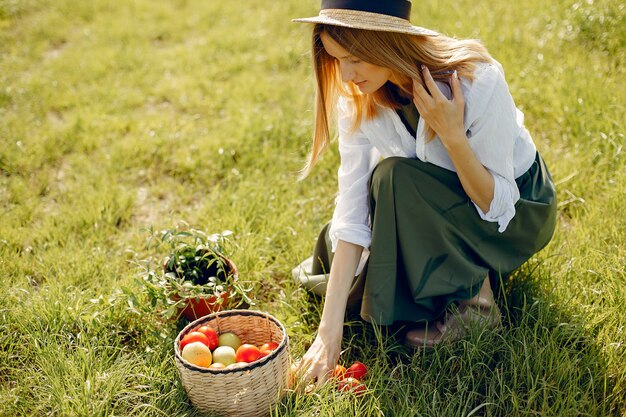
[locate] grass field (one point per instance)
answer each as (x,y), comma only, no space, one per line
(117,116)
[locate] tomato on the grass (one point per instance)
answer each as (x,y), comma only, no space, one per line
(339,372)
(352,385)
(357,371)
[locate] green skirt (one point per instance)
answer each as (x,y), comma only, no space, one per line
(430,248)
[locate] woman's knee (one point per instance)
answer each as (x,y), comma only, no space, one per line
(388,170)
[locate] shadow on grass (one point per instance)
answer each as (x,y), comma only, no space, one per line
(544,362)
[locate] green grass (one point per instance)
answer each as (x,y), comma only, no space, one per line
(119,116)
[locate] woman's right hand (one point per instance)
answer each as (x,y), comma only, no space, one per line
(318,363)
(320,359)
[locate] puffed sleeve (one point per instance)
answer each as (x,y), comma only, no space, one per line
(493,125)
(350,221)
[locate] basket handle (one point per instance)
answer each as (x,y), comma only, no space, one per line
(269,328)
(217,319)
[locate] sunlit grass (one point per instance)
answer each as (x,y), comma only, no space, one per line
(119,116)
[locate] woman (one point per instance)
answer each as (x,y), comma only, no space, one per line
(439,179)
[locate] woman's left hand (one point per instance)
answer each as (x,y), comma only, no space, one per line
(444,116)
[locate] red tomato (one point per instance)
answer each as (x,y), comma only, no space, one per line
(194,337)
(339,372)
(357,371)
(211,334)
(352,385)
(247,353)
(267,348)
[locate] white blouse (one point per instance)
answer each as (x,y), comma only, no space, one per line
(495,130)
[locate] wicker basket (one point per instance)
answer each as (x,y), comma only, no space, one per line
(245,391)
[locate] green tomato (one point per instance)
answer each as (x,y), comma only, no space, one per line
(229,339)
(224,354)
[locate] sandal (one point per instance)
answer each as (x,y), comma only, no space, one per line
(456,325)
(424,336)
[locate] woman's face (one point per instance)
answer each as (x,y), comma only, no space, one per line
(368,77)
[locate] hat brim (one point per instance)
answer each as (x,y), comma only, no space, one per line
(366,21)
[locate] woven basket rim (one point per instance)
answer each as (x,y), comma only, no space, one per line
(227,313)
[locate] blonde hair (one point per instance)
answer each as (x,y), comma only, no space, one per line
(401,53)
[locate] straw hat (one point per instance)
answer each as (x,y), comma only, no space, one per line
(385,16)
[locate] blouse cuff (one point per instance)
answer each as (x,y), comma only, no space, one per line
(502,207)
(358,234)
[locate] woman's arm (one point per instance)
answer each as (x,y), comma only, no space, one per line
(321,358)
(477,182)
(445,117)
